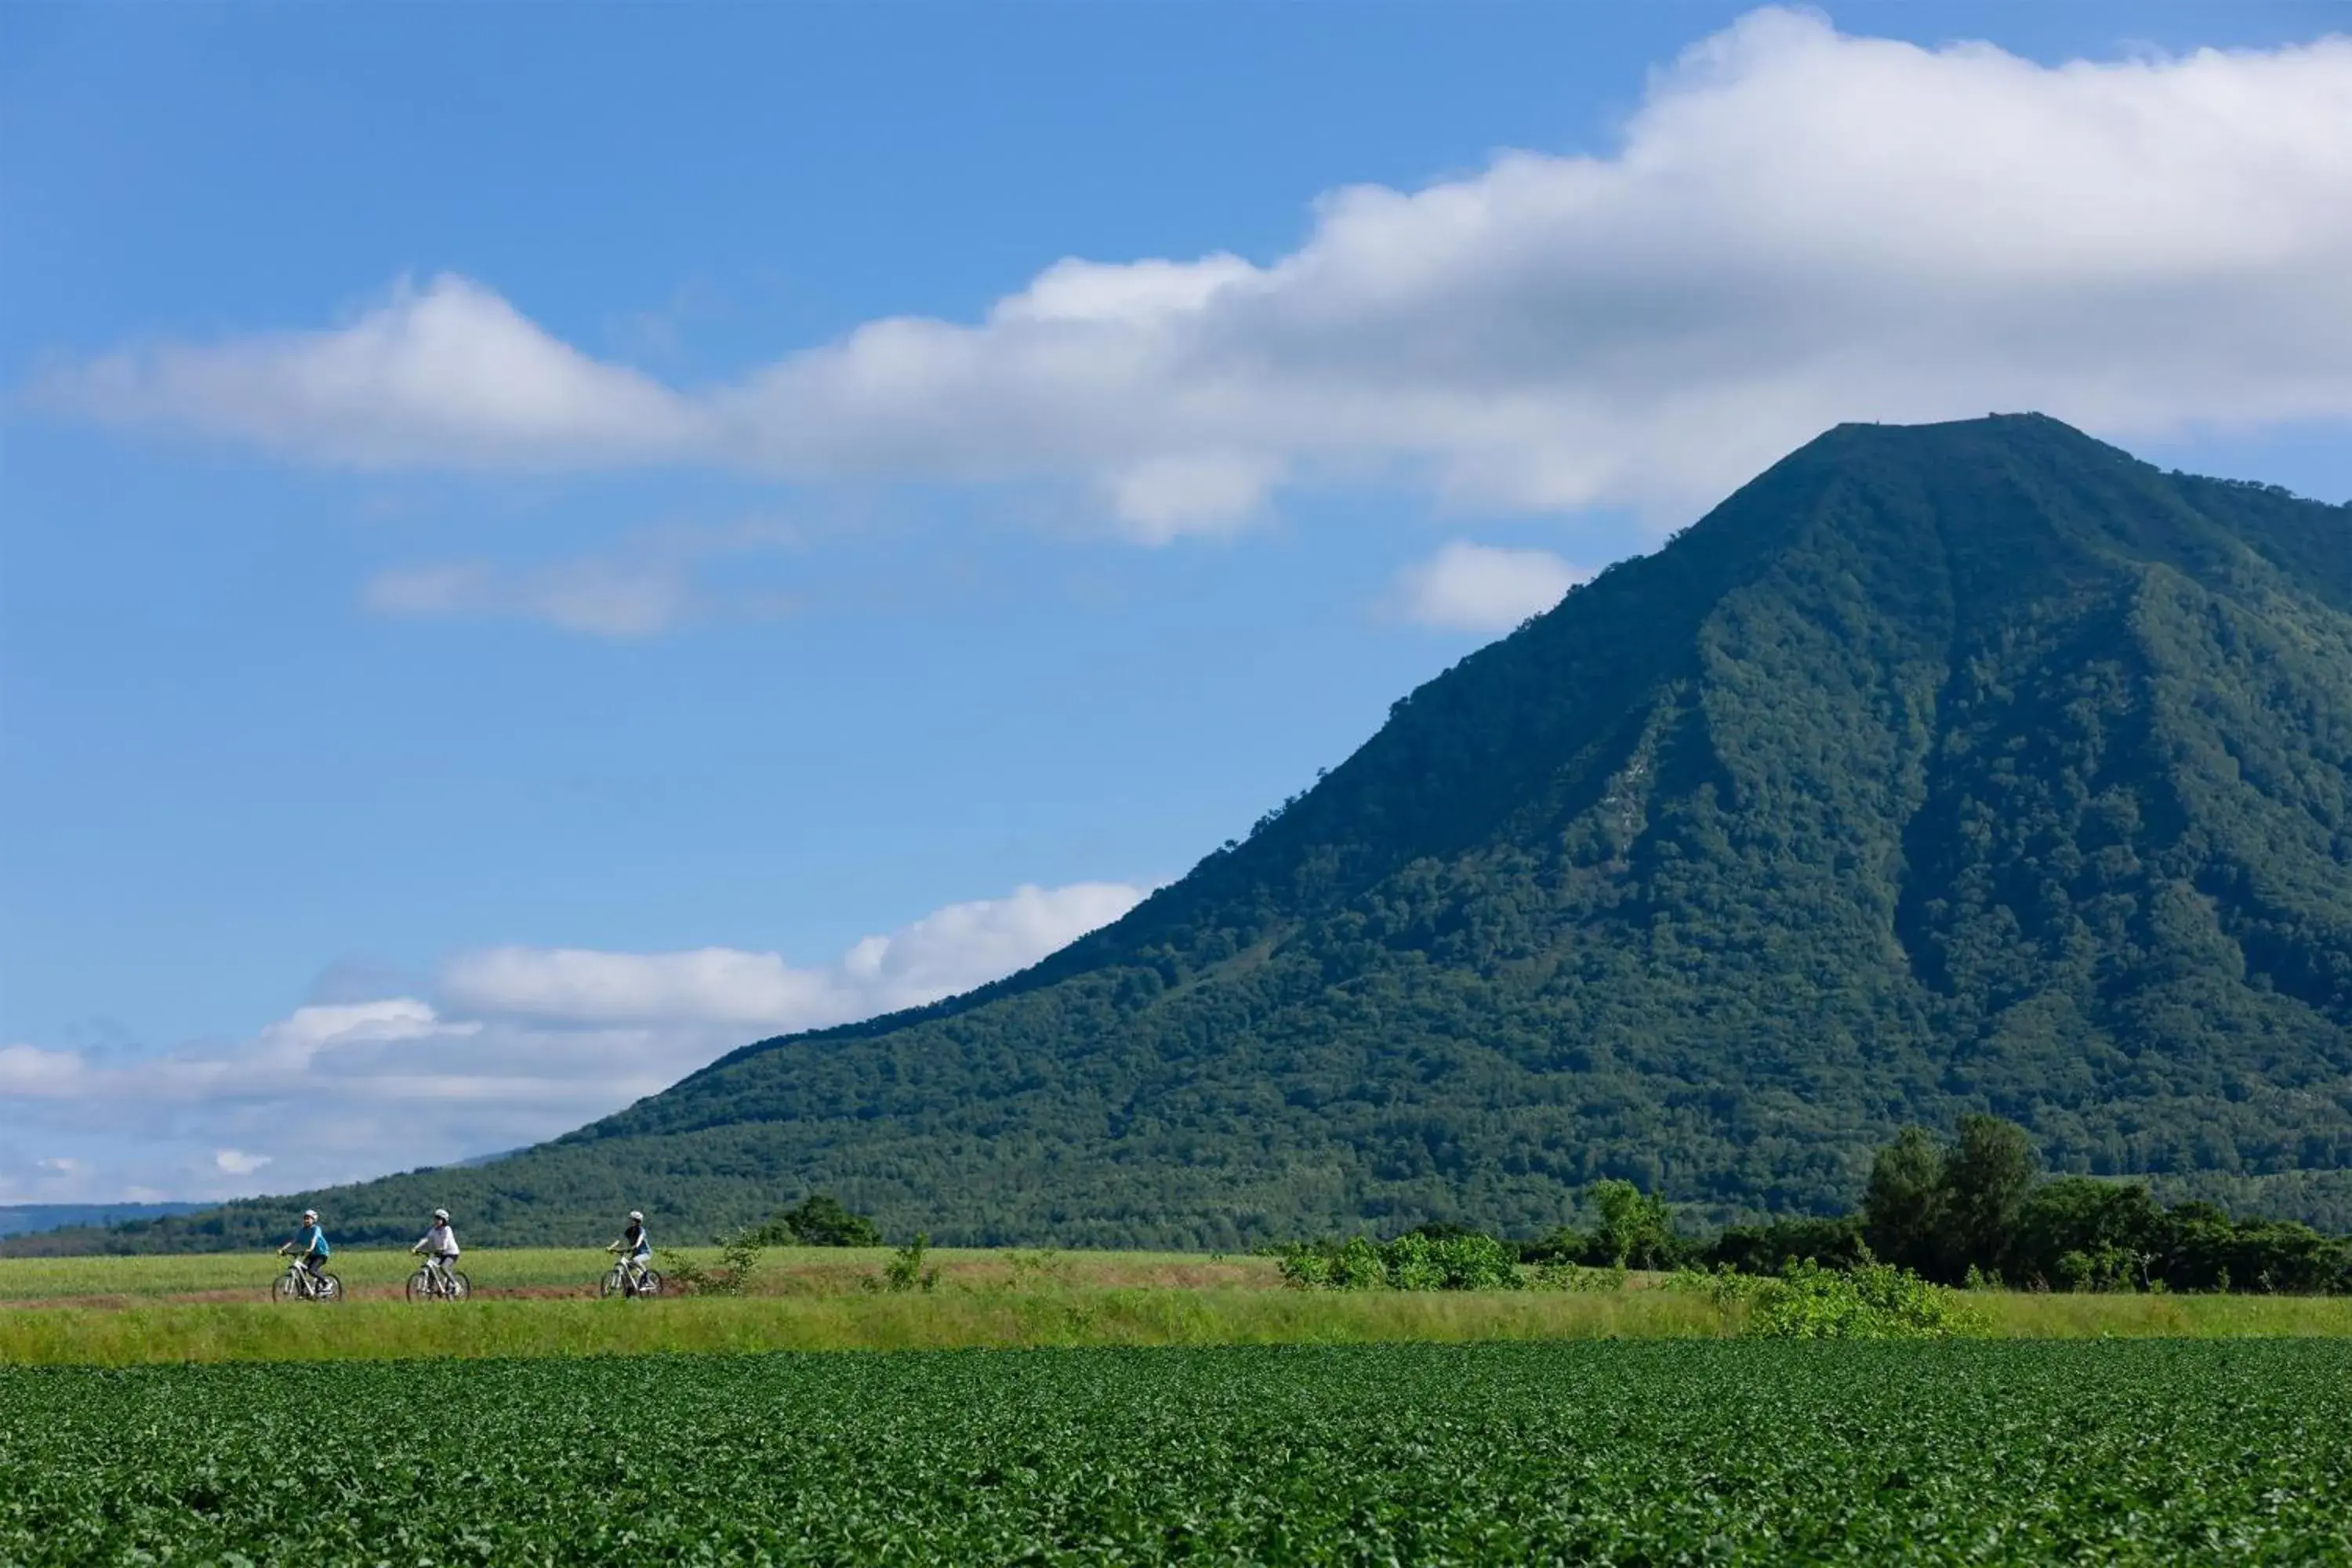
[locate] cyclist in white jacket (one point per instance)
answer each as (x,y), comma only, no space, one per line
(439,1245)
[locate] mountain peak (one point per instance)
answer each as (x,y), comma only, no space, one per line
(1976,766)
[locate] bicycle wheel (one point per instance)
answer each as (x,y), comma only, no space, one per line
(330,1289)
(613,1283)
(650,1285)
(420,1286)
(459,1285)
(286,1288)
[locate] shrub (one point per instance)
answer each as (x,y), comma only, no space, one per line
(1768,1249)
(1461,1260)
(1354,1264)
(1468,1261)
(904,1272)
(1637,1230)
(1567,1276)
(1875,1301)
(1721,1285)
(2108,1268)
(1562,1245)
(739,1260)
(819,1220)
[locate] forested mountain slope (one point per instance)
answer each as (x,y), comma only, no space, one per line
(1964,766)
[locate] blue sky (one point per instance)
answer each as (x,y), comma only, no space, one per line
(529,540)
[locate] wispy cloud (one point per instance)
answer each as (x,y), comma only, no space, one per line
(604,598)
(1798,227)
(650,585)
(518,1044)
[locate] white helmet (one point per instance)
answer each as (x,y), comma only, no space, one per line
(636,1218)
(309,1214)
(441,1215)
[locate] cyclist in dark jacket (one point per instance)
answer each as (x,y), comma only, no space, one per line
(636,1247)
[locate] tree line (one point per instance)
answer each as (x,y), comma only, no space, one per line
(1973,1209)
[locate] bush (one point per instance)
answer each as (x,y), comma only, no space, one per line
(1971,1207)
(1455,1260)
(1637,1230)
(904,1272)
(739,1260)
(2198,1248)
(1564,1276)
(1768,1249)
(2085,1234)
(1468,1261)
(1353,1265)
(2110,1268)
(819,1220)
(1562,1245)
(1875,1301)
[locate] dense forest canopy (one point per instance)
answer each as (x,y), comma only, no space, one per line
(1969,767)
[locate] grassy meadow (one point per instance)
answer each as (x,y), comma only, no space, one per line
(120,1312)
(540,1272)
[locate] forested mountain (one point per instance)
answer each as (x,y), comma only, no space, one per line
(17,1219)
(1969,766)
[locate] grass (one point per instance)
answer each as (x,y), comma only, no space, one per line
(2015,1314)
(539,1271)
(531,1303)
(1002,1307)
(948,1319)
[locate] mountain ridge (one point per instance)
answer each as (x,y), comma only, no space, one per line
(1971,766)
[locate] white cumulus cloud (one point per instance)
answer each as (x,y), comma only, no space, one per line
(950,951)
(1795,227)
(448,374)
(519,1043)
(31,1073)
(1470,587)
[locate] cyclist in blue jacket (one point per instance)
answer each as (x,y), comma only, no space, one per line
(311,1242)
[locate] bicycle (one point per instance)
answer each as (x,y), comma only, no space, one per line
(298,1284)
(433,1282)
(627,1276)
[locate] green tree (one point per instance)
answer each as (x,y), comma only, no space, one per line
(1902,1209)
(2081,1216)
(1988,1171)
(820,1220)
(1637,1230)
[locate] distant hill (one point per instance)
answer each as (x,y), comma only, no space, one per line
(18,1219)
(1962,767)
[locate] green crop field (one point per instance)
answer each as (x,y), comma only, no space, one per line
(1950,1452)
